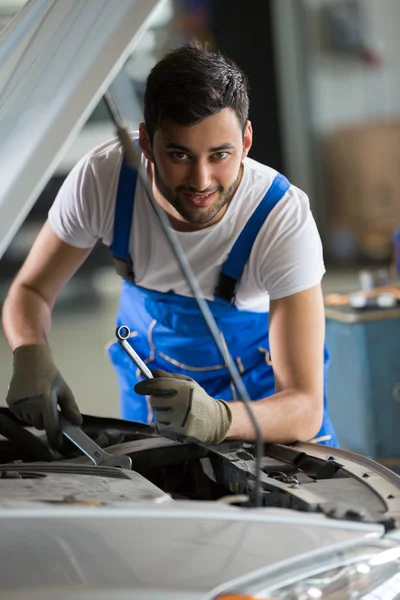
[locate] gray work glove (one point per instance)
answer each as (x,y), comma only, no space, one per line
(182,406)
(37,388)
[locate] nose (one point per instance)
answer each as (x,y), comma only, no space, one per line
(200,177)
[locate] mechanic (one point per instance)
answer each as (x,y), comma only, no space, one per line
(252,243)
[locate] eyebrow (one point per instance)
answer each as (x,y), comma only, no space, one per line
(173,146)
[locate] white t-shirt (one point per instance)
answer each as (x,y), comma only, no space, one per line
(286,257)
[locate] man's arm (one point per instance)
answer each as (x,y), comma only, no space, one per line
(27,309)
(296,334)
(37,388)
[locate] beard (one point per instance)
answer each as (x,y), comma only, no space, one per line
(192,214)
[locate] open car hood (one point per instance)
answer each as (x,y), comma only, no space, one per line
(57,58)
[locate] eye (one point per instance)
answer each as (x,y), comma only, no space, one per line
(179,156)
(220,155)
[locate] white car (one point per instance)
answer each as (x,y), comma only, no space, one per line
(173,520)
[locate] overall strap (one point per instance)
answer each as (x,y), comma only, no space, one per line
(235,263)
(123,215)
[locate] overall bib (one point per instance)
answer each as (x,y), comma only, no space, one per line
(168,331)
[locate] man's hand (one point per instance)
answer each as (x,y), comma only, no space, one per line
(37,388)
(182,406)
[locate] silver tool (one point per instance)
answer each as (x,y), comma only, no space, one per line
(123,333)
(96,454)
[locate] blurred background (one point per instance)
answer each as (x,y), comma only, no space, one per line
(325,108)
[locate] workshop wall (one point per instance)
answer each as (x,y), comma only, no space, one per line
(352,58)
(348,87)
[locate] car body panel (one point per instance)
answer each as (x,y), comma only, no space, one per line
(171,546)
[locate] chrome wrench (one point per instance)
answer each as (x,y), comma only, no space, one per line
(123,332)
(96,454)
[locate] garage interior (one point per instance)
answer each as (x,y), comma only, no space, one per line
(325,80)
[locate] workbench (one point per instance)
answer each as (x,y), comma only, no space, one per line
(364,380)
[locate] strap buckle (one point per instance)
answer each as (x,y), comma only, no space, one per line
(124,269)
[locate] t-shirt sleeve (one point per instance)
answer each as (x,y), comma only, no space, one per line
(291,254)
(74,215)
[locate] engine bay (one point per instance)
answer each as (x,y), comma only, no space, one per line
(301,477)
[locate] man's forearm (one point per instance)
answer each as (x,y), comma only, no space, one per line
(285,417)
(26,317)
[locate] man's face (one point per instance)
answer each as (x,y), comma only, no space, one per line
(198,168)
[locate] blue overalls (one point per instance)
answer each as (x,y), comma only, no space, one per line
(168,331)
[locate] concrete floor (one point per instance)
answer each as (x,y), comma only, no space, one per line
(81,332)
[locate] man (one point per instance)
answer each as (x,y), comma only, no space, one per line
(251,241)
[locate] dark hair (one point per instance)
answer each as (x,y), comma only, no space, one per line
(191,83)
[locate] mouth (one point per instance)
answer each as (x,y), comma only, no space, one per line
(199,200)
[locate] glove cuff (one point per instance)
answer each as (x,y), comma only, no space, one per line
(225,421)
(30,349)
(33,354)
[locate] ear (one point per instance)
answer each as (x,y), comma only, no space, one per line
(144,142)
(247,139)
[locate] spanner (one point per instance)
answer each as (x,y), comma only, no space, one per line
(96,454)
(123,333)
